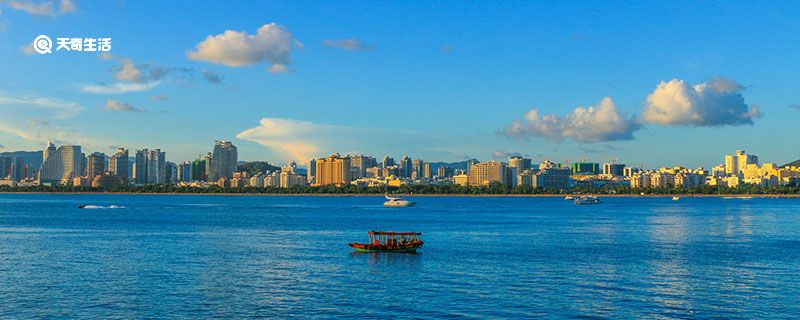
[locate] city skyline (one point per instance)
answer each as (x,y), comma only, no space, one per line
(445,82)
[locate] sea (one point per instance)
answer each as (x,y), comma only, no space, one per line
(287,257)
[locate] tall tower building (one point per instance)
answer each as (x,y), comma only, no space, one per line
(406,167)
(156,167)
(312,170)
(223,160)
(333,170)
(60,164)
(95,165)
(140,166)
(118,164)
(387,162)
(426,171)
(520,163)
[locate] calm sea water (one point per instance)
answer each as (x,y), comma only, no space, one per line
(165,256)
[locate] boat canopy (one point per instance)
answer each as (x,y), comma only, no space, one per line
(392,233)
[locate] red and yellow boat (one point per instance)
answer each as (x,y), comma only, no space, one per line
(390,241)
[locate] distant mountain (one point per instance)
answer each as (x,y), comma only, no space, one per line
(460,165)
(254,167)
(34,158)
(795,163)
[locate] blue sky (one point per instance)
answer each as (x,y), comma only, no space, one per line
(438,81)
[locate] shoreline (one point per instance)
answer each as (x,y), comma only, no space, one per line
(422,195)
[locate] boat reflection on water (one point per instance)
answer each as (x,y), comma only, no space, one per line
(380,259)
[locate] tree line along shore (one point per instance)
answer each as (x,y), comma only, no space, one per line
(493,189)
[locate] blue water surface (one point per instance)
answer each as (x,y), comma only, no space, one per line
(176,256)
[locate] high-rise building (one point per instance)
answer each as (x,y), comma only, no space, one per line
(312,170)
(17,168)
(171,175)
(736,164)
(520,163)
(552,177)
(224,159)
(585,168)
(359,164)
(185,172)
(445,172)
(118,164)
(199,172)
(484,173)
(95,165)
(5,167)
(333,170)
(614,169)
(60,165)
(156,167)
(426,170)
(387,162)
(150,167)
(416,169)
(406,167)
(140,167)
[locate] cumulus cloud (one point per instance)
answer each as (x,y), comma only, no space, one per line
(271,43)
(591,124)
(795,106)
(351,44)
(718,102)
(212,77)
(505,154)
(41,8)
(118,88)
(115,105)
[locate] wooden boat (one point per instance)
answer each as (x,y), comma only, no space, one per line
(389,241)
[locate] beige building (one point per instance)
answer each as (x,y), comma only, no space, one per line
(484,173)
(333,170)
(60,165)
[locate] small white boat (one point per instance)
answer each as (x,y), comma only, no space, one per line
(397,202)
(676,198)
(569,198)
(587,200)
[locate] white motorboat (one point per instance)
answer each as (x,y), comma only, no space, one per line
(587,200)
(397,202)
(569,198)
(676,198)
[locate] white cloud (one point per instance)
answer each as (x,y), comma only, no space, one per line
(25,116)
(3,22)
(118,87)
(128,71)
(41,8)
(293,139)
(717,102)
(277,68)
(67,6)
(27,49)
(61,108)
(115,105)
(592,124)
(351,44)
(271,43)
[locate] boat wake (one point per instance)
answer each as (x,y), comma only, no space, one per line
(90,206)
